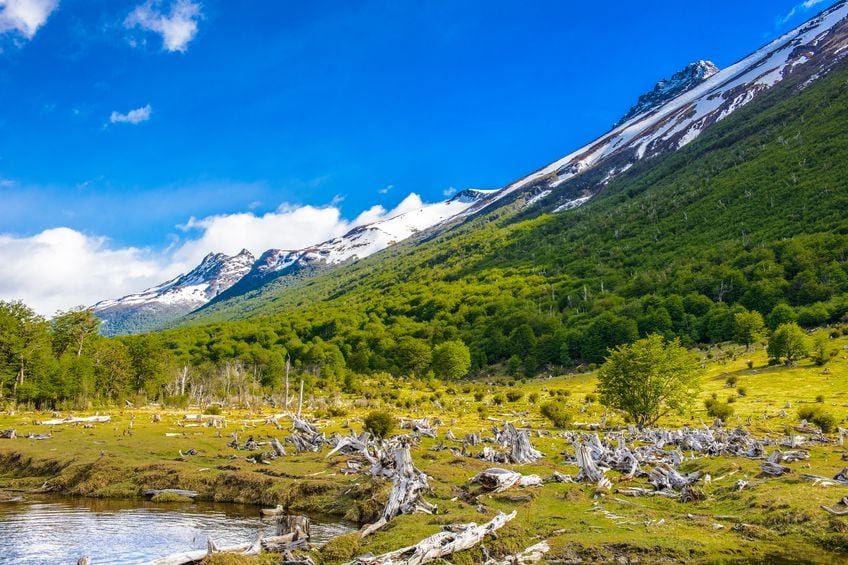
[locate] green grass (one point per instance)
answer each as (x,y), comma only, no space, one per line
(780,516)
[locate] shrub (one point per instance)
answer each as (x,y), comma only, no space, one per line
(213,410)
(379,423)
(514,395)
(742,391)
(479,396)
(731,381)
(498,399)
(718,409)
(590,398)
(750,364)
(820,398)
(731,399)
(815,415)
(534,397)
(558,414)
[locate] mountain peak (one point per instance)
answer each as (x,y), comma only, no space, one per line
(683,80)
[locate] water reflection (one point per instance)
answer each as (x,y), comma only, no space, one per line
(62,530)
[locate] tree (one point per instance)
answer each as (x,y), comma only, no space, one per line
(783,313)
(451,360)
(747,327)
(789,341)
(71,329)
(649,378)
(412,355)
(23,335)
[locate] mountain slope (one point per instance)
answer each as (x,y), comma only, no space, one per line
(668,89)
(154,307)
(807,52)
(360,242)
(747,217)
(794,62)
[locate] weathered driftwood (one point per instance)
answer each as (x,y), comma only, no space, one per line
(499,480)
(457,538)
(664,476)
(305,437)
(421,426)
(76,420)
(408,486)
(533,554)
(589,470)
(521,451)
(176,491)
(39,436)
(185,557)
(771,466)
(8,434)
(279,450)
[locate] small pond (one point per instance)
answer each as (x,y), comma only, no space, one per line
(61,530)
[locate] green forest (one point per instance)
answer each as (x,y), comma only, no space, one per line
(723,240)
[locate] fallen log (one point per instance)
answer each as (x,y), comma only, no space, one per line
(76,420)
(179,492)
(442,544)
(194,556)
(499,480)
(8,434)
(533,554)
(771,466)
(664,476)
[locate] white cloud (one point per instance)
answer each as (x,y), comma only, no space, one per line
(60,268)
(386,189)
(132,117)
(802,7)
(177,28)
(25,16)
(448,192)
(289,227)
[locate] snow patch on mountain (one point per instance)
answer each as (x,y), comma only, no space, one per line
(661,124)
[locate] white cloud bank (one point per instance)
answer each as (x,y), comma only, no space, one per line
(25,16)
(177,28)
(60,268)
(132,117)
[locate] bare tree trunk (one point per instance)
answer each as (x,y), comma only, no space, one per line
(288,366)
(300,399)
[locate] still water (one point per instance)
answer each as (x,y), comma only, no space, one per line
(61,530)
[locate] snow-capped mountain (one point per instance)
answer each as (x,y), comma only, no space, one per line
(685,79)
(358,243)
(662,125)
(177,297)
(220,276)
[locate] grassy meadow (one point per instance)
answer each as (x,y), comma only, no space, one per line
(773,518)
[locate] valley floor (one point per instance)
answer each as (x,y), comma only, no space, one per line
(772,519)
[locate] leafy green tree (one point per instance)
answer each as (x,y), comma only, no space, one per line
(649,378)
(379,423)
(451,360)
(747,327)
(790,342)
(72,330)
(412,355)
(23,336)
(783,313)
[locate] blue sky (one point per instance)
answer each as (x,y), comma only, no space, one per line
(122,120)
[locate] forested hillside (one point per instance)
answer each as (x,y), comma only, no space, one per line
(749,218)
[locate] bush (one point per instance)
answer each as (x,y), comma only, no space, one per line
(820,398)
(750,364)
(213,410)
(479,396)
(718,409)
(514,395)
(590,398)
(742,391)
(731,399)
(534,397)
(731,381)
(379,423)
(558,414)
(498,399)
(815,415)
